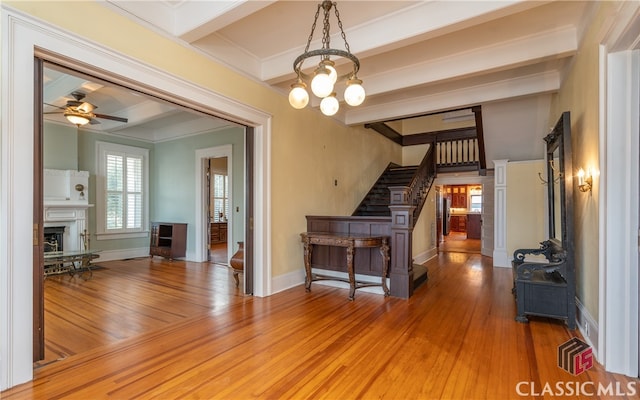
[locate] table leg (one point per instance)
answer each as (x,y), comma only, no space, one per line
(384,251)
(352,275)
(307,263)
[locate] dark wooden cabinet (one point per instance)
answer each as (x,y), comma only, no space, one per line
(458,223)
(168,240)
(474,226)
(218,232)
(459,196)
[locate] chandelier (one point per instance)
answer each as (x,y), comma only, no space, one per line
(325,75)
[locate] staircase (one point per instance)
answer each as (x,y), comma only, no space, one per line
(390,208)
(376,202)
(414,181)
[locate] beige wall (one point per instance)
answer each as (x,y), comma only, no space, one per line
(413,155)
(526,199)
(579,94)
(308,150)
(424,232)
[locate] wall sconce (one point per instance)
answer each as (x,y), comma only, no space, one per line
(585,180)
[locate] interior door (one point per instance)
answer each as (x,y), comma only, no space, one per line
(439,219)
(38,217)
(249,197)
(209,211)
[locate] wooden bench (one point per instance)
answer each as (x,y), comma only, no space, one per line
(540,286)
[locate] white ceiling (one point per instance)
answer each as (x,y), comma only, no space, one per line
(416,57)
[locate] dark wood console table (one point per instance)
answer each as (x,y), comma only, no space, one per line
(350,242)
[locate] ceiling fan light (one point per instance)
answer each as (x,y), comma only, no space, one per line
(321,84)
(329,105)
(77,118)
(298,96)
(354,94)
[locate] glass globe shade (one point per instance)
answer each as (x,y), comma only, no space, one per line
(330,66)
(333,74)
(329,105)
(298,97)
(354,93)
(321,84)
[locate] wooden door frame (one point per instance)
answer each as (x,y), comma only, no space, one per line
(38,215)
(202,195)
(24,37)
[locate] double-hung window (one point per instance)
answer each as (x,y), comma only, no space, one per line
(220,197)
(122,191)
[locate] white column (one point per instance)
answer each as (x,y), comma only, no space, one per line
(500,257)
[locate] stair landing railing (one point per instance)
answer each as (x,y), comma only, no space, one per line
(421,182)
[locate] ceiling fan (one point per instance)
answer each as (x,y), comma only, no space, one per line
(80,112)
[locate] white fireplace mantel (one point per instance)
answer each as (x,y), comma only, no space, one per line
(66,204)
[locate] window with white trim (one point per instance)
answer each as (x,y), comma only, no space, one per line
(122,191)
(220,198)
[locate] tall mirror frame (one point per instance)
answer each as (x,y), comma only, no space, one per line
(560,184)
(560,202)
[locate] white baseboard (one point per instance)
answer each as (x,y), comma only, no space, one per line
(588,327)
(500,259)
(287,281)
(425,256)
(296,278)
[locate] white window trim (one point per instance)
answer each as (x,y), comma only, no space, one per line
(101,188)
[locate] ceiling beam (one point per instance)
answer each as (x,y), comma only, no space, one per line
(508,54)
(472,95)
(410,25)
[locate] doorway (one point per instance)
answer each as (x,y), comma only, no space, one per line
(461,224)
(30,40)
(82,140)
(218,215)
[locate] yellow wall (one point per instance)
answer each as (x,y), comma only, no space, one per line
(424,232)
(579,94)
(526,199)
(308,150)
(413,155)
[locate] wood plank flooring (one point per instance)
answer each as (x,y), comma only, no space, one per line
(180,331)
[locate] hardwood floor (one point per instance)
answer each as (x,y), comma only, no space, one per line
(458,242)
(174,330)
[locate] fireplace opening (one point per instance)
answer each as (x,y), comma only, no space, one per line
(53,238)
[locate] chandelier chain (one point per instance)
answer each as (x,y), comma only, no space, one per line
(344,37)
(313,28)
(326,30)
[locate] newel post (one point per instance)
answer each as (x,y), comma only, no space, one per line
(401,274)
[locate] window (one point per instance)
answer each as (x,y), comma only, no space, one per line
(220,198)
(476,202)
(122,200)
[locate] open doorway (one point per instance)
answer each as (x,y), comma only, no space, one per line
(218,214)
(461,223)
(75,151)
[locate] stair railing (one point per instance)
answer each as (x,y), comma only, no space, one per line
(421,182)
(458,152)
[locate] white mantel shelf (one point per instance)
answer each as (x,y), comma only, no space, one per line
(66,204)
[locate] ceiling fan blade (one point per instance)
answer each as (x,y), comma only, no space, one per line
(111,117)
(53,105)
(53,112)
(94,121)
